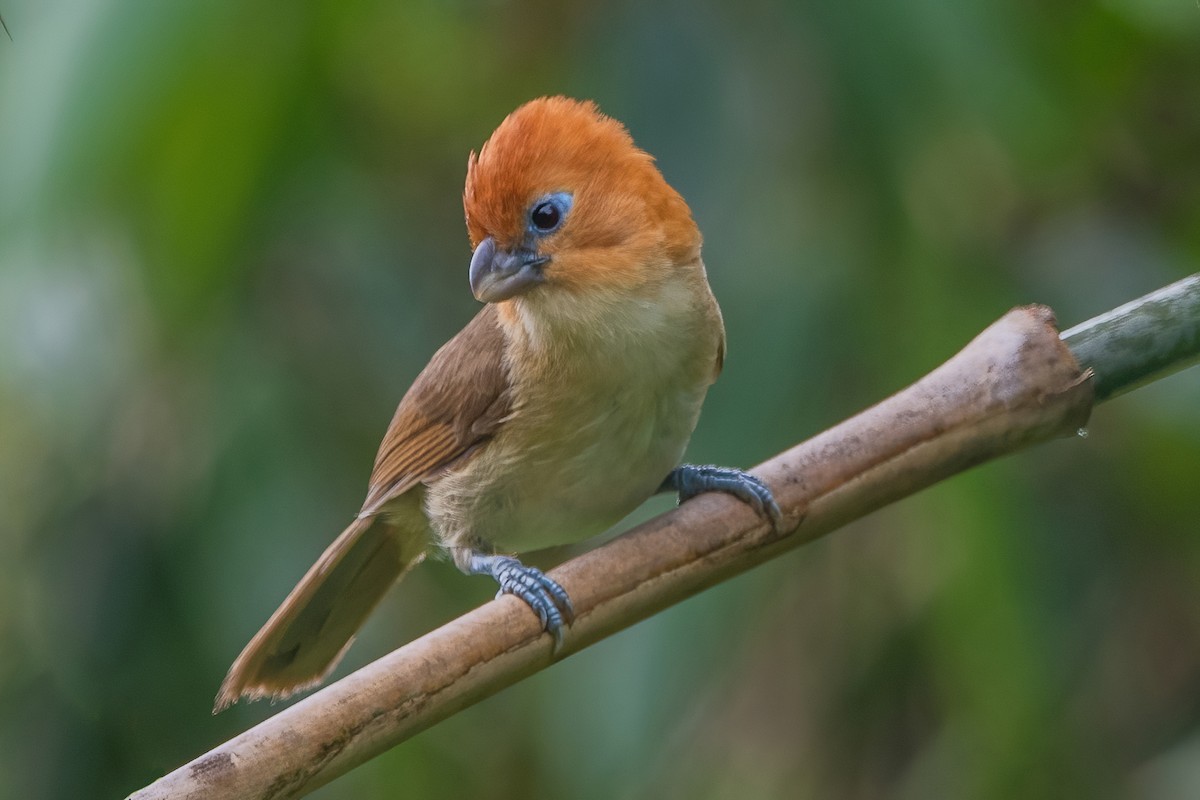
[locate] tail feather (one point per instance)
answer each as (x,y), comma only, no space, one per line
(308,634)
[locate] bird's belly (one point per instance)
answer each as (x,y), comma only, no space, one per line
(591,466)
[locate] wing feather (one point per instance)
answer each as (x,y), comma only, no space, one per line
(455,405)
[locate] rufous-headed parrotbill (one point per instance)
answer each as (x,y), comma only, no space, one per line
(565,403)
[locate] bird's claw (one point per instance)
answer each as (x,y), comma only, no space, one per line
(690,480)
(543,594)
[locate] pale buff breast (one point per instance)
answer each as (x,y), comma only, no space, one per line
(604,411)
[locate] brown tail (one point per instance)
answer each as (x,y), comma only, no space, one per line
(306,636)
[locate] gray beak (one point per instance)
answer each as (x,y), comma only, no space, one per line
(498,274)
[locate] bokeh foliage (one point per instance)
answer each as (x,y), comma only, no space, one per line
(231,234)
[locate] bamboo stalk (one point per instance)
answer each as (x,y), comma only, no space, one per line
(1141,341)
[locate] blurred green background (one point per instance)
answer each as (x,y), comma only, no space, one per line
(231,234)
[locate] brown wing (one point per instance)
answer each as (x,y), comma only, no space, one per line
(453,407)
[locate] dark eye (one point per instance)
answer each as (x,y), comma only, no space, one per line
(545,217)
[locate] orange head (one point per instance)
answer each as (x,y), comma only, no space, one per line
(560,196)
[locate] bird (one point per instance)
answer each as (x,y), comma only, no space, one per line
(565,403)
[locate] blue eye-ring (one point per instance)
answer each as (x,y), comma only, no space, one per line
(546,215)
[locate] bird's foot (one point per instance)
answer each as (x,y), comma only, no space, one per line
(543,594)
(690,480)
